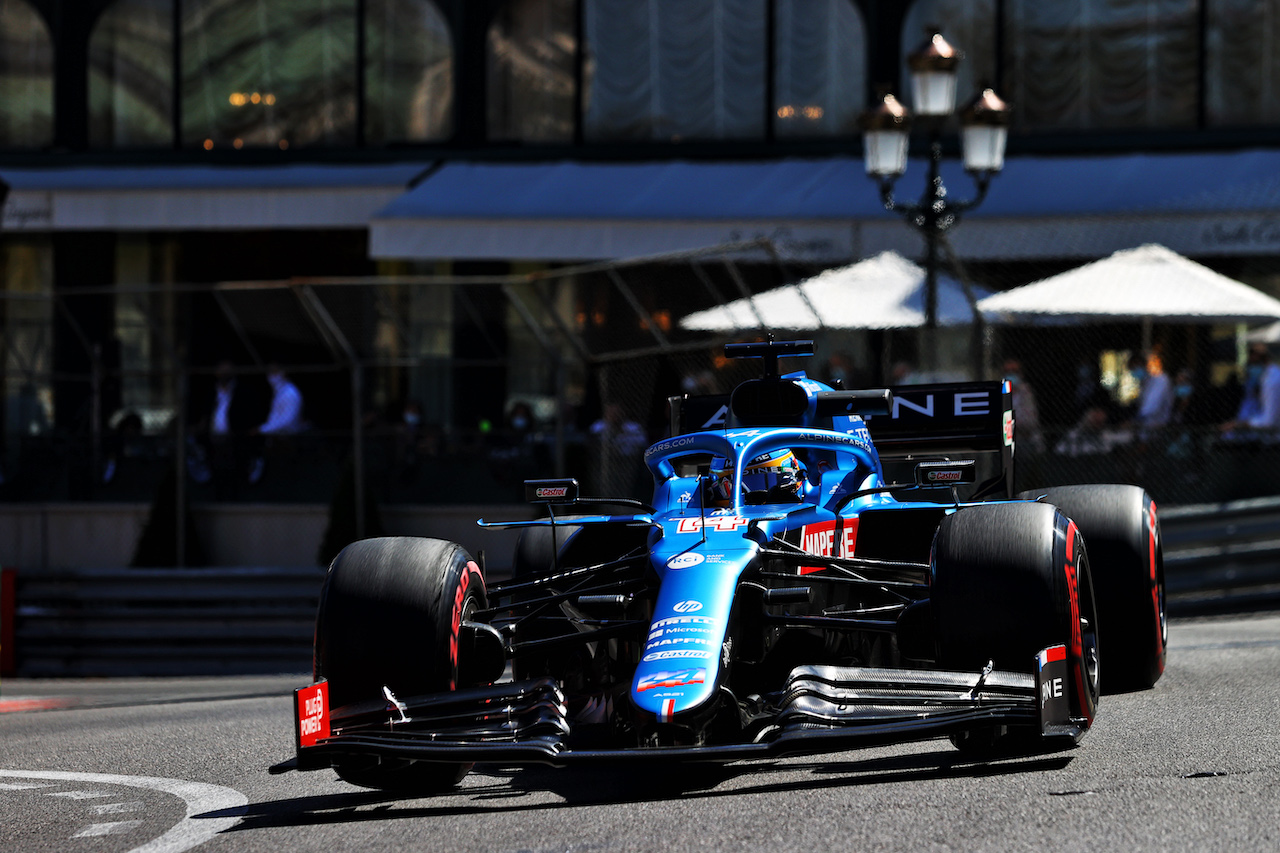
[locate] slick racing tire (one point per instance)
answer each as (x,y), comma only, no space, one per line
(1122,532)
(389,616)
(1007,581)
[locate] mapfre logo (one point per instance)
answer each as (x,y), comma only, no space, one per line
(552,492)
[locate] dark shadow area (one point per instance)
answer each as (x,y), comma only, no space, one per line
(606,786)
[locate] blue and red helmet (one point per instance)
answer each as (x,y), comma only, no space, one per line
(773,477)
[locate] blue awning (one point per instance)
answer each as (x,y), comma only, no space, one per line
(181,197)
(827,209)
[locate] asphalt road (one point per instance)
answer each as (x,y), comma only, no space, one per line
(170,765)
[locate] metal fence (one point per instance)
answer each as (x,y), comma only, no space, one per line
(453,388)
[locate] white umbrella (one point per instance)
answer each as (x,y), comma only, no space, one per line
(1149,283)
(883,292)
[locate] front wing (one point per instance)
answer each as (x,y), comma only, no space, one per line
(823,709)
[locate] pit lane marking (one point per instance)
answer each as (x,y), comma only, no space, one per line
(189,832)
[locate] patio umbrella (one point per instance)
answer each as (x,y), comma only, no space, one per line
(1147,284)
(883,292)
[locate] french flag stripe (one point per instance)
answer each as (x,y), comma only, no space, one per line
(668,708)
(1053,653)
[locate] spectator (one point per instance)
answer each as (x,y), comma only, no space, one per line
(1261,412)
(283,419)
(1026,415)
(1155,395)
(618,442)
(225,426)
(1090,436)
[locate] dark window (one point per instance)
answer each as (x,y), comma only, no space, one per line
(26,77)
(820,68)
(530,58)
(131,75)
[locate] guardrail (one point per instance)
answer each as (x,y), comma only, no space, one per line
(1218,558)
(1222,557)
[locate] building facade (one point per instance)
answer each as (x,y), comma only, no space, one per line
(430,169)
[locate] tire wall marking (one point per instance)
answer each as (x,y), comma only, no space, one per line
(199,797)
(455,620)
(1077,641)
(1152,544)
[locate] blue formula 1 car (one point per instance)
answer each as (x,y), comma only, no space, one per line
(786,593)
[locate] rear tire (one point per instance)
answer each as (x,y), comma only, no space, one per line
(389,615)
(1010,580)
(1122,532)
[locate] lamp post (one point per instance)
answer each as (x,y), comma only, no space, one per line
(886,132)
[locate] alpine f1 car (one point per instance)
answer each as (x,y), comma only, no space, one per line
(781,595)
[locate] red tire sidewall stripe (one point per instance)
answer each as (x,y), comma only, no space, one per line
(1149,520)
(469,576)
(1070,567)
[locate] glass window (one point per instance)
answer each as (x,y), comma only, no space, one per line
(408,72)
(131,75)
(820,68)
(969,26)
(277,74)
(26,361)
(1092,64)
(530,71)
(674,69)
(26,77)
(1242,68)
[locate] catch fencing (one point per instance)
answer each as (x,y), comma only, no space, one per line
(453,389)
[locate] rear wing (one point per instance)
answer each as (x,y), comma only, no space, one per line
(949,419)
(946,419)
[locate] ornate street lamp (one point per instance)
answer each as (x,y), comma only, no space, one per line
(886,128)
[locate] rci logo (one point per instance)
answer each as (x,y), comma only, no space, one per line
(685,560)
(689,606)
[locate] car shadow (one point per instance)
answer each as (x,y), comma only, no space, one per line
(517,790)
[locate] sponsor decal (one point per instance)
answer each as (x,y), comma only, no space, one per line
(1051,682)
(687,606)
(718,419)
(945,476)
(551,492)
(676,678)
(1008,429)
(670,444)
(685,560)
(455,621)
(829,539)
(828,437)
(972,403)
(685,620)
(721,523)
(678,654)
(672,641)
(313,713)
(679,629)
(685,497)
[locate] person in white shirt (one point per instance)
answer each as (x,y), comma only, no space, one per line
(284,417)
(1263,417)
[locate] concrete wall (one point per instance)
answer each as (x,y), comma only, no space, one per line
(37,538)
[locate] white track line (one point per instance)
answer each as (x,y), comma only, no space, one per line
(199,797)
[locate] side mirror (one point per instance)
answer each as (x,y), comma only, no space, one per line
(872,401)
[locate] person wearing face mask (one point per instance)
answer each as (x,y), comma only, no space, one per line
(1156,397)
(1260,409)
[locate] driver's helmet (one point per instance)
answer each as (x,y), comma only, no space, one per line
(776,475)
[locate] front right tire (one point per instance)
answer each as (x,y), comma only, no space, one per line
(1009,580)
